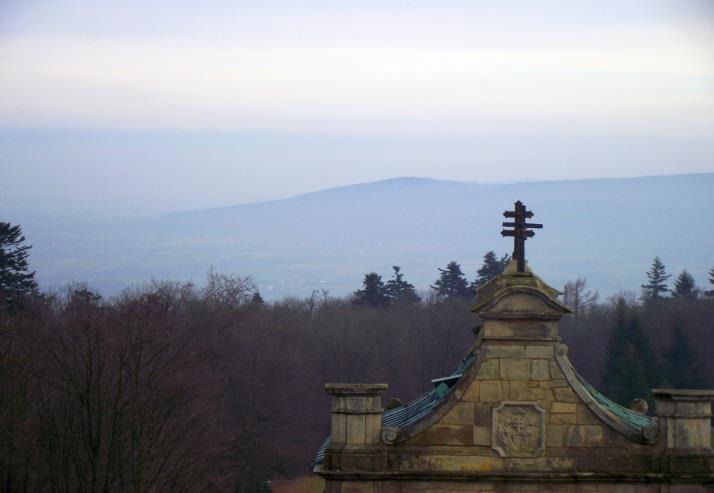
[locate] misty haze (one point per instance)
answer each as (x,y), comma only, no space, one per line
(606,231)
(330,246)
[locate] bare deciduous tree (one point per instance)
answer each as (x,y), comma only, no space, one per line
(578,299)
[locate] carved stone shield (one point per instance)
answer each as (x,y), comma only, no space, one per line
(518,429)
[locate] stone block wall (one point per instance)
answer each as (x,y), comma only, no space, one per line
(519,487)
(519,420)
(514,372)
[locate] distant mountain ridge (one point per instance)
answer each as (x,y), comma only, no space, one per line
(606,230)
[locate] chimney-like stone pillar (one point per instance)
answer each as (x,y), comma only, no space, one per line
(685,418)
(356,414)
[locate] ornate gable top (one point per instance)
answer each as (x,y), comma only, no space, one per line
(512,282)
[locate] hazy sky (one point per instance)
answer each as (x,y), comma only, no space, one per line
(145,106)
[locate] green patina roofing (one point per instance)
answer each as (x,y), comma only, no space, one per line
(511,278)
(633,419)
(509,281)
(408,414)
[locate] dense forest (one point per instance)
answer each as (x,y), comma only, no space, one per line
(177,387)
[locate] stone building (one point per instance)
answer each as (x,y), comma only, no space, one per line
(515,416)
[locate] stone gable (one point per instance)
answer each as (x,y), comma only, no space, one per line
(516,416)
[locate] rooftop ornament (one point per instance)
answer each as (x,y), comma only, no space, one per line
(515,415)
(520,232)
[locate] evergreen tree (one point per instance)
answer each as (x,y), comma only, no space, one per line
(81,296)
(630,381)
(451,282)
(373,292)
(656,280)
(642,344)
(684,286)
(257,299)
(16,280)
(400,291)
(490,268)
(616,344)
(711,281)
(683,370)
(631,367)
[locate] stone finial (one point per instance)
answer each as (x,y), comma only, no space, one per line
(515,295)
(356,413)
(685,417)
(518,306)
(394,402)
(639,405)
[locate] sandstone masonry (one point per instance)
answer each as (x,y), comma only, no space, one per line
(516,417)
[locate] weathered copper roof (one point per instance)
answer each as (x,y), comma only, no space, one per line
(417,409)
(634,419)
(633,425)
(401,416)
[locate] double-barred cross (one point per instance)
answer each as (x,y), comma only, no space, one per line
(520,232)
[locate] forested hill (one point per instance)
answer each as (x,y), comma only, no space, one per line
(607,230)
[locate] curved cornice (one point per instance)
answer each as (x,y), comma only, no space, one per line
(485,307)
(647,435)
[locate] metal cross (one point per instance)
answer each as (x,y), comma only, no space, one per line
(520,232)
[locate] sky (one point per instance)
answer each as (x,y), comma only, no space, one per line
(148,107)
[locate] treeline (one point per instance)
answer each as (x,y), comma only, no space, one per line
(451,283)
(176,387)
(659,339)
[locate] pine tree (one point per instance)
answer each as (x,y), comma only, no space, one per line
(711,281)
(490,268)
(616,344)
(83,297)
(683,370)
(684,286)
(373,292)
(630,381)
(16,280)
(451,282)
(631,367)
(656,280)
(400,291)
(642,344)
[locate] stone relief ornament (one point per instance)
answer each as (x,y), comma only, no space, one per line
(518,429)
(390,435)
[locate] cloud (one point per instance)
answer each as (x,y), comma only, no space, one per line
(599,76)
